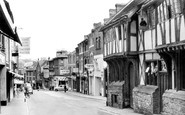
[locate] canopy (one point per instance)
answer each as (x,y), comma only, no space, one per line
(7,27)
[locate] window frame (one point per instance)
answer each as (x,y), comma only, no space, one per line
(98,43)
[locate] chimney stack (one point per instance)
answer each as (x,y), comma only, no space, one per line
(96,25)
(105,20)
(112,12)
(119,7)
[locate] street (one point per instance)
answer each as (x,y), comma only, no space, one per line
(60,103)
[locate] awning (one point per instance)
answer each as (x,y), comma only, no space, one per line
(16,81)
(7,27)
(16,75)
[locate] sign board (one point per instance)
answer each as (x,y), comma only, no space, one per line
(25,48)
(75,70)
(46,73)
(64,72)
(61,78)
(89,66)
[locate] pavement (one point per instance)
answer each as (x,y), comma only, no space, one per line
(107,109)
(19,104)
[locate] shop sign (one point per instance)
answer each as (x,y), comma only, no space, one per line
(25,48)
(62,78)
(2,58)
(89,66)
(64,72)
(75,70)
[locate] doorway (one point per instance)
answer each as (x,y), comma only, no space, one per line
(131,82)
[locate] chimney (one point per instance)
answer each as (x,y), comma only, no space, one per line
(119,7)
(105,20)
(85,37)
(112,12)
(96,25)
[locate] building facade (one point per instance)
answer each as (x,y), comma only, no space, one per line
(96,72)
(121,54)
(8,34)
(58,69)
(73,70)
(84,59)
(163,72)
(45,73)
(143,46)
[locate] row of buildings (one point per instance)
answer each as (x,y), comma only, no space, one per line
(9,41)
(142,43)
(135,59)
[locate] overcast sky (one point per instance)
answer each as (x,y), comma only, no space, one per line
(58,24)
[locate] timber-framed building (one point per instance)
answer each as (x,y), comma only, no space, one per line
(121,54)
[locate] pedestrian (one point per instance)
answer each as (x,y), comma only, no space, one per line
(26,93)
(38,87)
(17,90)
(65,89)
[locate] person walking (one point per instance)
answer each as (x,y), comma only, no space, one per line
(26,93)
(65,89)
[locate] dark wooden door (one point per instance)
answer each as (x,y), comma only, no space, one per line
(131,82)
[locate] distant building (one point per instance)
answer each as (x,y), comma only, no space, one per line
(73,71)
(58,69)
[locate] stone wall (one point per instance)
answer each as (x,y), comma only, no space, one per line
(173,102)
(146,99)
(115,88)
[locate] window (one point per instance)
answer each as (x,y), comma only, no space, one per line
(86,45)
(91,42)
(151,17)
(98,43)
(2,43)
(151,73)
(119,32)
(115,98)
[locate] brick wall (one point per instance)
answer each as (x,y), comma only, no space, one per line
(146,99)
(115,88)
(173,102)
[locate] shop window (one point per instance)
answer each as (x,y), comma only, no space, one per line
(151,73)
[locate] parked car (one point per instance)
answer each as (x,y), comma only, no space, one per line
(60,88)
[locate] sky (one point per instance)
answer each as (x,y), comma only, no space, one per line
(57,24)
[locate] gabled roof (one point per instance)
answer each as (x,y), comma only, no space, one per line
(42,62)
(34,66)
(125,13)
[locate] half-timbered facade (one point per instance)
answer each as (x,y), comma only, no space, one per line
(170,44)
(161,65)
(121,54)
